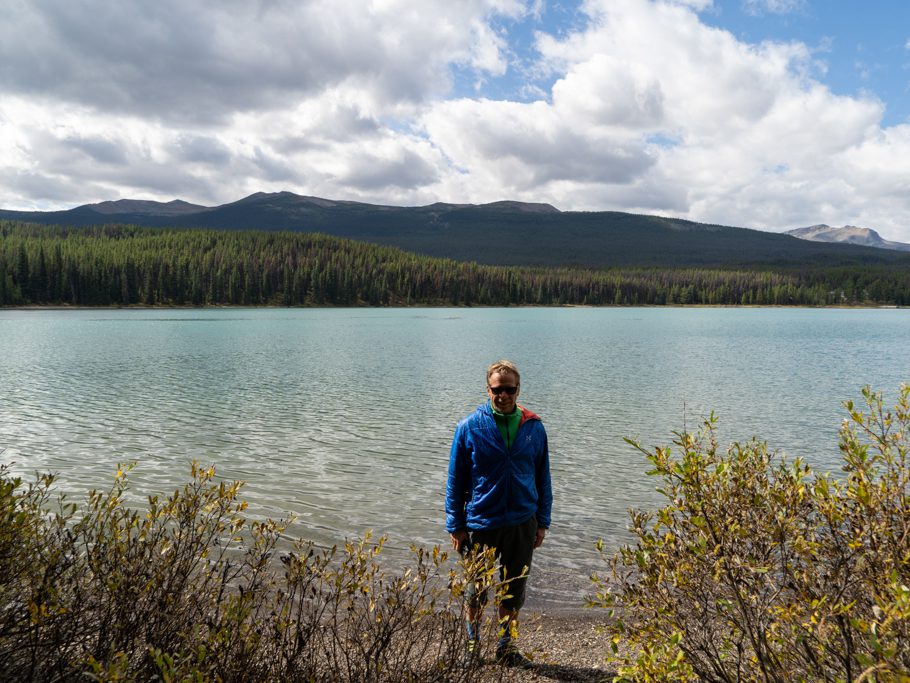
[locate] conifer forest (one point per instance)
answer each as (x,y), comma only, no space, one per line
(122,265)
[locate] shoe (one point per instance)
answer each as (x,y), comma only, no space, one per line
(509,655)
(472,655)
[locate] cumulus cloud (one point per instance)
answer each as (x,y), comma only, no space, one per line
(525,147)
(204,60)
(607,91)
(203,149)
(214,87)
(638,105)
(743,131)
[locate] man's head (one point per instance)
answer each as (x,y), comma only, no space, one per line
(503,385)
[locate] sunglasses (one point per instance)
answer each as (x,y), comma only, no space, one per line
(511,391)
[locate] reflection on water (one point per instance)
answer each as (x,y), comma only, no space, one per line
(344,417)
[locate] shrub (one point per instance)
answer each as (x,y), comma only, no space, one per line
(188,589)
(758,569)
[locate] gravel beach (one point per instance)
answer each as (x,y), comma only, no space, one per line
(565,646)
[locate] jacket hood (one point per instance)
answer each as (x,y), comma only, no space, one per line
(526,414)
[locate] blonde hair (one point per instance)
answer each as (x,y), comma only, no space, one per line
(503,366)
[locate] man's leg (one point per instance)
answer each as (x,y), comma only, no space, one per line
(506,651)
(508,625)
(517,550)
(472,623)
(475,600)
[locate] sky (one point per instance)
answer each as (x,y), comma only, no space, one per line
(768,114)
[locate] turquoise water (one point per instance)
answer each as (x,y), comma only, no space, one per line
(343,417)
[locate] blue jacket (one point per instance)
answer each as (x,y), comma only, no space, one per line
(491,486)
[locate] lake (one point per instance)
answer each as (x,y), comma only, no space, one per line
(344,417)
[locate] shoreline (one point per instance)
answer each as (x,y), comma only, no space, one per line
(563,647)
(190,307)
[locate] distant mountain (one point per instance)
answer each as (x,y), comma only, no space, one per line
(849,234)
(500,233)
(178,207)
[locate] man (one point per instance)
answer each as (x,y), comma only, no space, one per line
(499,495)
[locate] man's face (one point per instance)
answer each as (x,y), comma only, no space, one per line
(503,401)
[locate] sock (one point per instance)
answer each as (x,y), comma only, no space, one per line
(504,640)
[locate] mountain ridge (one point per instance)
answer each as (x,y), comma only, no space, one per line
(848,234)
(176,207)
(499,233)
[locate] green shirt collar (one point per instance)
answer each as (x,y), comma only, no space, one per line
(515,412)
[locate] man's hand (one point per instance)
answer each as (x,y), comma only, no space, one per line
(459,539)
(538,540)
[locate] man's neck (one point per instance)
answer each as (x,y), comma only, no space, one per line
(496,412)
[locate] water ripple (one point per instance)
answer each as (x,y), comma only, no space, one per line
(343,419)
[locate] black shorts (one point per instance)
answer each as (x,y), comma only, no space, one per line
(514,547)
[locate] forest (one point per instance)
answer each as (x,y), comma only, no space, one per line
(125,265)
